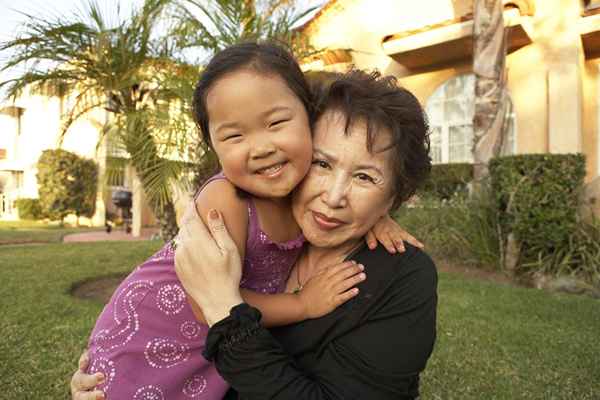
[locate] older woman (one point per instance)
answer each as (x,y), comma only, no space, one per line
(370,153)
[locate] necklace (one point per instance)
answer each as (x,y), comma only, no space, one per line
(300,286)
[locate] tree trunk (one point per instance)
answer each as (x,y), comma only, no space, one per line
(489,60)
(145,162)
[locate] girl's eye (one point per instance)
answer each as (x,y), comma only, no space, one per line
(321,163)
(278,122)
(365,178)
(231,136)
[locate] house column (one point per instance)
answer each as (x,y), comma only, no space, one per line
(564,52)
(137,204)
(565,107)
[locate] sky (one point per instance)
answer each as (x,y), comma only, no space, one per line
(11,17)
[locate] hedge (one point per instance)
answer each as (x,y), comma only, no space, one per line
(29,208)
(446,180)
(537,199)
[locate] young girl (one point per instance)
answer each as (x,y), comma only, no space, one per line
(253,106)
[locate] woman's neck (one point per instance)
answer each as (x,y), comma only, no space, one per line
(315,258)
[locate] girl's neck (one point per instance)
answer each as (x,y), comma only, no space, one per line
(276,219)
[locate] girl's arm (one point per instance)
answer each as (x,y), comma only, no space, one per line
(321,295)
(387,232)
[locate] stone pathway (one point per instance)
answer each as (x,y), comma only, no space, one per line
(116,234)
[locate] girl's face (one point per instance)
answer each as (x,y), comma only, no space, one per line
(260,132)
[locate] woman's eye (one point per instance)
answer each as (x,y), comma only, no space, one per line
(321,163)
(278,122)
(365,178)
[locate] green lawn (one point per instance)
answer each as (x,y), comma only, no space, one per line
(494,342)
(18,232)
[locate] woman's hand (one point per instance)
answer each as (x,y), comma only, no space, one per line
(330,287)
(82,384)
(208,264)
(387,232)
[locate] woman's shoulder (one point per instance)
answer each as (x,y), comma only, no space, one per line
(413,266)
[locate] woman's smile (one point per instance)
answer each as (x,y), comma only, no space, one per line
(326,223)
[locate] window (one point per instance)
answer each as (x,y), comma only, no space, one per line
(450,110)
(17,178)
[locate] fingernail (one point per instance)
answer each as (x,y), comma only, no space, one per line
(100,378)
(100,396)
(361,267)
(213,214)
(362,276)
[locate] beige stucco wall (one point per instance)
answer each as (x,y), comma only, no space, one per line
(40,130)
(549,80)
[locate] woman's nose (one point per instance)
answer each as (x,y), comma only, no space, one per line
(335,194)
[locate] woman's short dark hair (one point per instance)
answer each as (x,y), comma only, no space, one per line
(383,105)
(263,57)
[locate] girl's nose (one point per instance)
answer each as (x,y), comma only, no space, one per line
(262,149)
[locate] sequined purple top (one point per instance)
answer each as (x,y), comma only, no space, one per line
(147,341)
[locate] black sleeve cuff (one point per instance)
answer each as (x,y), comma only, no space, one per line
(243,322)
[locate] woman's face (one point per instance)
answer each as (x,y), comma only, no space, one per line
(260,132)
(347,188)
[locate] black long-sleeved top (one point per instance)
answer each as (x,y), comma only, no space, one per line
(372,347)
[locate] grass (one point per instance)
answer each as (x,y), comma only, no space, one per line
(494,341)
(20,232)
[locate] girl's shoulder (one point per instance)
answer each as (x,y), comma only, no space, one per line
(222,195)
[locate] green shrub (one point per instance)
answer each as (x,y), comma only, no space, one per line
(446,180)
(537,198)
(85,187)
(462,228)
(29,208)
(67,184)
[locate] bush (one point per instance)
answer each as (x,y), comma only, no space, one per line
(29,208)
(66,184)
(85,187)
(446,180)
(462,228)
(537,198)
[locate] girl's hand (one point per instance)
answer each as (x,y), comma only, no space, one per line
(330,288)
(82,384)
(387,232)
(207,263)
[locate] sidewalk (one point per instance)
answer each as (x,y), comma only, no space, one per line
(116,234)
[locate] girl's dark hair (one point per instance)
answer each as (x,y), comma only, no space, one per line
(262,57)
(383,105)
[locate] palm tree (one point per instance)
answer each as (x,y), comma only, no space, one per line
(489,60)
(217,24)
(119,67)
(137,75)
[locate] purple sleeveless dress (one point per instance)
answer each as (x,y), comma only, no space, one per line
(147,341)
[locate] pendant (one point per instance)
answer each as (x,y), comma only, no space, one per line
(298,289)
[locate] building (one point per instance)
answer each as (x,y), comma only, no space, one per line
(32,124)
(553,67)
